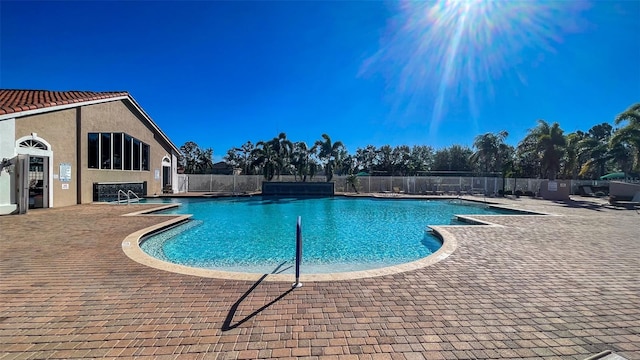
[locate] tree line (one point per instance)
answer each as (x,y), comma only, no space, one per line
(545,152)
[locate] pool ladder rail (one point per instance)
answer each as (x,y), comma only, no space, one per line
(128,196)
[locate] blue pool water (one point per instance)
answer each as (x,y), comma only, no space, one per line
(340,234)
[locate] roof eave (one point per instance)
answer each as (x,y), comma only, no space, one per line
(129,98)
(153,124)
(70,105)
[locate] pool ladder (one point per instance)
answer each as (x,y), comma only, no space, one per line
(129,195)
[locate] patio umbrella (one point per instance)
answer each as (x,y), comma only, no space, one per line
(613,176)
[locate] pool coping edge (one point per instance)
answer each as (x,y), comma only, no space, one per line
(131,248)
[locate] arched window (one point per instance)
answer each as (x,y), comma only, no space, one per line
(33,144)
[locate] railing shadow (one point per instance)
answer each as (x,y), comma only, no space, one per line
(227,325)
(581,204)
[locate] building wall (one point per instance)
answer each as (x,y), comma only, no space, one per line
(7,151)
(59,129)
(117,116)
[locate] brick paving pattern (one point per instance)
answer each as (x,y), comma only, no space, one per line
(552,287)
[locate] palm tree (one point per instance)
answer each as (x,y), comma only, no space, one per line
(621,156)
(598,153)
(354,182)
(547,142)
(527,157)
(489,150)
(267,158)
(204,161)
(330,153)
(283,148)
(629,135)
(244,153)
(595,147)
(572,159)
(242,158)
(302,160)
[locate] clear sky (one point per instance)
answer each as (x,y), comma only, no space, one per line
(365,72)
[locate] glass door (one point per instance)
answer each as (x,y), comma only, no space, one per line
(166,177)
(38,182)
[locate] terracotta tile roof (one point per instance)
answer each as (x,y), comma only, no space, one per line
(13,101)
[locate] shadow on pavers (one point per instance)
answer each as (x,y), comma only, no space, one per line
(227,325)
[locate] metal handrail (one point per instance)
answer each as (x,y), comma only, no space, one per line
(134,195)
(129,195)
(125,194)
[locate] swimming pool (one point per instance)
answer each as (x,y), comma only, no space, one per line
(257,235)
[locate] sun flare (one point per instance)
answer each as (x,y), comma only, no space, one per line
(451,51)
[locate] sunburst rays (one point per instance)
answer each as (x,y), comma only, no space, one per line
(438,53)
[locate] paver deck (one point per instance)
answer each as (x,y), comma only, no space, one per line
(552,287)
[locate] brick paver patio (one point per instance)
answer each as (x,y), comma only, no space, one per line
(563,287)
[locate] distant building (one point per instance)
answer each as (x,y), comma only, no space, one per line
(222,168)
(59,148)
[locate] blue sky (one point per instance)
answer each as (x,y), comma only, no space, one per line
(365,72)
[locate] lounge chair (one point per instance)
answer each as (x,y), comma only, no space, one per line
(635,201)
(629,203)
(586,191)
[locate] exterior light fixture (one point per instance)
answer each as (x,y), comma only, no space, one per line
(7,165)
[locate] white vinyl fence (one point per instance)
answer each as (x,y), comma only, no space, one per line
(182,183)
(238,184)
